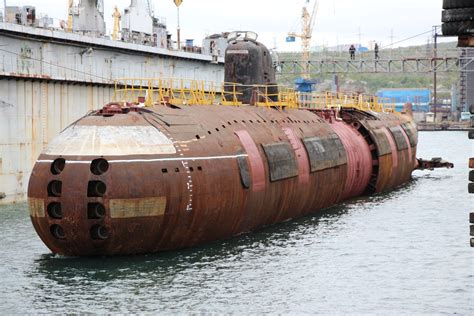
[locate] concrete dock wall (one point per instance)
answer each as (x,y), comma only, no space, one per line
(49,79)
(31,114)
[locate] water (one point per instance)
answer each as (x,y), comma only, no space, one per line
(405,251)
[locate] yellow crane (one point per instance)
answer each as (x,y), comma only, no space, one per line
(117,17)
(70,12)
(307,25)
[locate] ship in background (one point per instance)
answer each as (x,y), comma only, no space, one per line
(136,24)
(50,75)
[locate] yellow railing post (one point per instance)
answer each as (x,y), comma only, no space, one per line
(180,92)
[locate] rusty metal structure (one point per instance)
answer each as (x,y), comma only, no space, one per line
(137,178)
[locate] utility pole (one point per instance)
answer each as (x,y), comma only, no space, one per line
(178,3)
(360,38)
(4,10)
(391,42)
(435,86)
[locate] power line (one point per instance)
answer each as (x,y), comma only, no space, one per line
(406,39)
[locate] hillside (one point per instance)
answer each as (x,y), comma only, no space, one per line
(370,83)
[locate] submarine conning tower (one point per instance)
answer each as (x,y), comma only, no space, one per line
(167,167)
(249,63)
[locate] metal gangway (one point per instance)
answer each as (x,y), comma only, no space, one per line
(454,61)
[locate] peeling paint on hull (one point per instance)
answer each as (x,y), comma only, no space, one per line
(233,170)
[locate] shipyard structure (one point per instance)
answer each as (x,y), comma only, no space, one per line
(51,75)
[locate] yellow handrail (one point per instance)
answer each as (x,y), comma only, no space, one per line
(149,91)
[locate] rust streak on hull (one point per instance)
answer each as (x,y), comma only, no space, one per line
(204,181)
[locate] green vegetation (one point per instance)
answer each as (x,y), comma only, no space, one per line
(369,82)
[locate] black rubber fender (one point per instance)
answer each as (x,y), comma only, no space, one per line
(458,28)
(470,188)
(470,135)
(454,4)
(454,15)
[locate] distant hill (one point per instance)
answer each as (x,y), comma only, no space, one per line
(370,83)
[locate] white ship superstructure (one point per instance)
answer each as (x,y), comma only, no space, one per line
(51,76)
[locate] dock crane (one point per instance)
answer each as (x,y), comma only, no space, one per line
(307,25)
(117,18)
(70,13)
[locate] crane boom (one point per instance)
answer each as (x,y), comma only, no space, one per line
(307,25)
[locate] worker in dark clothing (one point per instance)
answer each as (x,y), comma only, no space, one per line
(352,51)
(376,51)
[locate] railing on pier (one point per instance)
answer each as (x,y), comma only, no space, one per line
(149,91)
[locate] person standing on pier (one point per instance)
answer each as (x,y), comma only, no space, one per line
(352,52)
(376,51)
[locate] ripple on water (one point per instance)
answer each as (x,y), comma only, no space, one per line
(404,251)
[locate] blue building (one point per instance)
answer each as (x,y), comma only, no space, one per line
(420,98)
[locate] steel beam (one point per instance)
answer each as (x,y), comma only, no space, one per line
(405,65)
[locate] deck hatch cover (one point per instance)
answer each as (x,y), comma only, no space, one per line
(381,141)
(325,152)
(398,136)
(281,161)
(412,133)
(244,170)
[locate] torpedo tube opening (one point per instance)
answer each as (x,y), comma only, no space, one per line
(55,188)
(95,211)
(96,189)
(99,232)
(99,166)
(57,232)
(58,166)
(54,210)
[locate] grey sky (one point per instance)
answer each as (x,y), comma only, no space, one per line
(337,21)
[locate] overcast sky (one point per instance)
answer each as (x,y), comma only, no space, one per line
(337,21)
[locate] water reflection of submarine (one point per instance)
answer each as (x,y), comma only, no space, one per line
(133,180)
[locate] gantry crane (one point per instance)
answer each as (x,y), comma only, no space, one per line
(307,25)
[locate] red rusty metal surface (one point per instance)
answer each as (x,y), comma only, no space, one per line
(301,156)
(359,160)
(191,192)
(410,153)
(393,147)
(392,166)
(256,164)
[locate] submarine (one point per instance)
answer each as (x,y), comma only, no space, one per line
(133,179)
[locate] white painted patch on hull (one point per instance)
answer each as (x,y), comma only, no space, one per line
(110,141)
(36,207)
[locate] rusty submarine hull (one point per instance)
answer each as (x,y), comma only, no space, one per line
(128,179)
